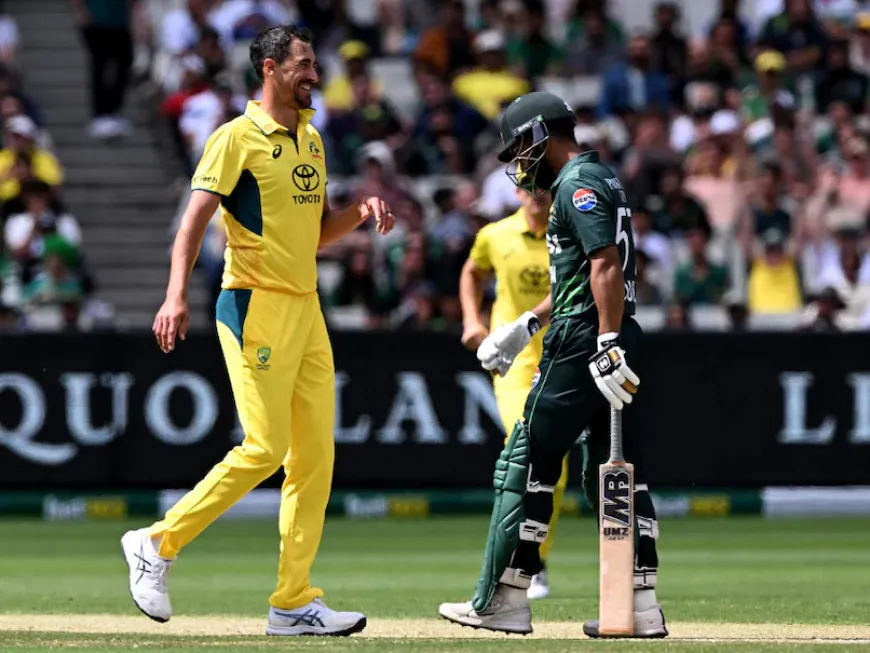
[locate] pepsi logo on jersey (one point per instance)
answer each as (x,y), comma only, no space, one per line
(584,199)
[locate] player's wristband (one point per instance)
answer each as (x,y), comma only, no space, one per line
(533,324)
(605,339)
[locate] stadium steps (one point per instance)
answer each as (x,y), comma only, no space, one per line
(121,192)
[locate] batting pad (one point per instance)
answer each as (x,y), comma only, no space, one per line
(509,480)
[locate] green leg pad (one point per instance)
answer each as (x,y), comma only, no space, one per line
(510,480)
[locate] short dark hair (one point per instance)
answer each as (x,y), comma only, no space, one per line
(276,43)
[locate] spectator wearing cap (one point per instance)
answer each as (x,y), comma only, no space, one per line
(631,86)
(797,34)
(491,85)
(768,92)
(532,54)
(839,82)
(774,285)
(105,29)
(823,313)
(847,269)
(56,284)
(446,47)
(699,281)
(377,174)
(20,139)
(727,130)
(339,92)
(594,49)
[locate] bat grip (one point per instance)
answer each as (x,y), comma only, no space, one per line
(616,454)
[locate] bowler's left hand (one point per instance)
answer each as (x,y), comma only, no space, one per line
(384,218)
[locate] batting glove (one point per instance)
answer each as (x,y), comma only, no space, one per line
(614,378)
(499,349)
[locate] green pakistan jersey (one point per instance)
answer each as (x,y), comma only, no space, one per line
(589,212)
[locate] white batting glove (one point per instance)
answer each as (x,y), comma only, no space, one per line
(614,378)
(499,349)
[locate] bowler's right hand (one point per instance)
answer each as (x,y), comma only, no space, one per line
(171,321)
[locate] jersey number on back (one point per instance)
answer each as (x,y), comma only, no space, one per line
(621,236)
(622,239)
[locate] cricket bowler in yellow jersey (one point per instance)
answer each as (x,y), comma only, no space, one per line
(266,171)
(514,251)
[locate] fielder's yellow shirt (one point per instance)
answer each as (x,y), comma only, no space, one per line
(518,257)
(272,185)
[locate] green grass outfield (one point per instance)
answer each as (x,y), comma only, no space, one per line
(731,584)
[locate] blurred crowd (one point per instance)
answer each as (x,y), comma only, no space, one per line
(44,283)
(745,148)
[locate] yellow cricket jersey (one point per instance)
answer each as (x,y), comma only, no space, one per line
(518,257)
(272,185)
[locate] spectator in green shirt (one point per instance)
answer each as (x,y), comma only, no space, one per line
(700,281)
(533,54)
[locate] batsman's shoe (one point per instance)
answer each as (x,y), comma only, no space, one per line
(508,612)
(649,624)
(148,574)
(314,618)
(539,587)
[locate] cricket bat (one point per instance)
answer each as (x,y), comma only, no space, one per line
(616,538)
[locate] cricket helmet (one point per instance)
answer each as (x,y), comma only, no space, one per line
(524,135)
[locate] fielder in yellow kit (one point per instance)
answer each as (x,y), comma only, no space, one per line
(514,251)
(266,171)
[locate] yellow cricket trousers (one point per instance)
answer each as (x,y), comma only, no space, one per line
(510,395)
(279,360)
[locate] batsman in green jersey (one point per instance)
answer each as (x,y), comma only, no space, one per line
(592,360)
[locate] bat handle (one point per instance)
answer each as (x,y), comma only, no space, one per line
(616,454)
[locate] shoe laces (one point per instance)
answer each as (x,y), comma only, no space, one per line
(160,571)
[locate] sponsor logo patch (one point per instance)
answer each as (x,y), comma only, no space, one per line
(584,199)
(536,377)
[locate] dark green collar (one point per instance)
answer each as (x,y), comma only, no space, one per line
(590,156)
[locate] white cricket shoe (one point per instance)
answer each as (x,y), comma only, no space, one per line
(539,587)
(148,574)
(314,618)
(648,624)
(508,612)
